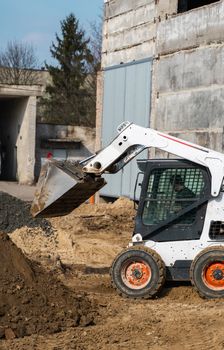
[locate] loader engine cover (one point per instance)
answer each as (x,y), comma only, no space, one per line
(62,187)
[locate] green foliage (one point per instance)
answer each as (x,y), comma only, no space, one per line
(69,96)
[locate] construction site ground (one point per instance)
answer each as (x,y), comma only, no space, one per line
(55,290)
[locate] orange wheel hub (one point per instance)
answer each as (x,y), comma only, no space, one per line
(213,275)
(136,274)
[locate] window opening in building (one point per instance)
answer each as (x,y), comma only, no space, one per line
(187,5)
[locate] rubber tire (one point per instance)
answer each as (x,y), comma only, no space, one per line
(156,264)
(207,256)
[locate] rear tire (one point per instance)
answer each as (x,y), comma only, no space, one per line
(138,272)
(207,273)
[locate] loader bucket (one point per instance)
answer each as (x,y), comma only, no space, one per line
(62,187)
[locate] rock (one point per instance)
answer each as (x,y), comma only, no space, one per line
(9,334)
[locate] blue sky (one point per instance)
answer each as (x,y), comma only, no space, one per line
(37,21)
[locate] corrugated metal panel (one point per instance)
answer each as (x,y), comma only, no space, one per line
(127,95)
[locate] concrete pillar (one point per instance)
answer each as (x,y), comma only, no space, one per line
(99,117)
(26,143)
(99,109)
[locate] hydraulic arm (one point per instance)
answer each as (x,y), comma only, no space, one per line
(63,186)
(132,139)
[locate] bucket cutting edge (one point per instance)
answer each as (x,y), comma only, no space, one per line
(62,187)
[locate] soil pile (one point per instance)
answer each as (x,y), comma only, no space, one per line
(90,235)
(15,213)
(117,217)
(32,301)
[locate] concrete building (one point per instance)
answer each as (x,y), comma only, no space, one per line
(162,67)
(26,143)
(18,131)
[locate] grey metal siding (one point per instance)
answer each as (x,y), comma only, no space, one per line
(127,96)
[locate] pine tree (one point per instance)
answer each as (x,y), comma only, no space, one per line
(68,93)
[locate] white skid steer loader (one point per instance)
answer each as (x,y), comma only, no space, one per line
(179,226)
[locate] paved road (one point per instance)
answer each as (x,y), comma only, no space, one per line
(23,192)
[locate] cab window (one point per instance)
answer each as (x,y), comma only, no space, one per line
(169,191)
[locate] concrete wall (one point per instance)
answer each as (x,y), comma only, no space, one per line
(83,148)
(40,77)
(200,26)
(188,76)
(129,31)
(188,63)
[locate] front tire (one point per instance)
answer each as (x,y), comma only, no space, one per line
(207,273)
(138,272)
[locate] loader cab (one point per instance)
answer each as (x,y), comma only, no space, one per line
(173,200)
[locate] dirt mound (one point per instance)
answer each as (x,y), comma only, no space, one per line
(15,213)
(92,234)
(117,217)
(180,292)
(32,301)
